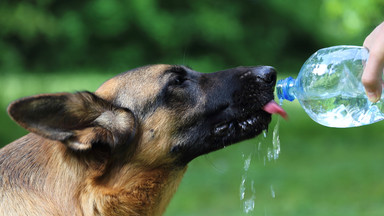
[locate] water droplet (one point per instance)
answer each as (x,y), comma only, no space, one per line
(253,189)
(249,205)
(249,121)
(243,125)
(242,188)
(247,162)
(281,101)
(270,154)
(276,141)
(273,194)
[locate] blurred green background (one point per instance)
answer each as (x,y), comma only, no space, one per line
(53,46)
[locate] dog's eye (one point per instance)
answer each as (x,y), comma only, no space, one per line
(177,81)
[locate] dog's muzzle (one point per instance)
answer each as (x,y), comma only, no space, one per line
(251,107)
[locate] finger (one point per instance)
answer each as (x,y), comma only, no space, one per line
(372,78)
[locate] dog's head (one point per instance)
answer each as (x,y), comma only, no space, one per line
(157,114)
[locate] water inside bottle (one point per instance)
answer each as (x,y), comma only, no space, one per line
(342,112)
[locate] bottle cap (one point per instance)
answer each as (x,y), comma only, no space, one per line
(284,89)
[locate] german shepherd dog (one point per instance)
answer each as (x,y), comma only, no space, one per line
(123,150)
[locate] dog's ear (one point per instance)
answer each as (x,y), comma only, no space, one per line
(78,120)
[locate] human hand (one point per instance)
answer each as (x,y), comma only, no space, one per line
(372,76)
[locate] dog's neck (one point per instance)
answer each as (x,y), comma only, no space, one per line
(143,191)
(127,190)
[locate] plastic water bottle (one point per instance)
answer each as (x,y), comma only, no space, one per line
(329,88)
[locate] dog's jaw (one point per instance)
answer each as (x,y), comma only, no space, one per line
(244,126)
(235,130)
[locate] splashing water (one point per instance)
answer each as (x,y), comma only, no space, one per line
(248,203)
(268,152)
(274,151)
(247,163)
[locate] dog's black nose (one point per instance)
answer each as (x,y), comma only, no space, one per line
(266,73)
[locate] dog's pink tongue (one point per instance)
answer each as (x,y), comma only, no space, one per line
(273,108)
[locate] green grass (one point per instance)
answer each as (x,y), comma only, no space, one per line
(320,171)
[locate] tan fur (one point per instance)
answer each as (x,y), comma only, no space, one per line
(44,177)
(133,189)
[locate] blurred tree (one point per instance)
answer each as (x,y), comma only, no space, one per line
(47,35)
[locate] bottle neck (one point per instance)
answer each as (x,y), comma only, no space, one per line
(284,89)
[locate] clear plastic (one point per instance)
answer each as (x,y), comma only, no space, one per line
(329,88)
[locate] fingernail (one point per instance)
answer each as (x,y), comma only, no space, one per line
(373,97)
